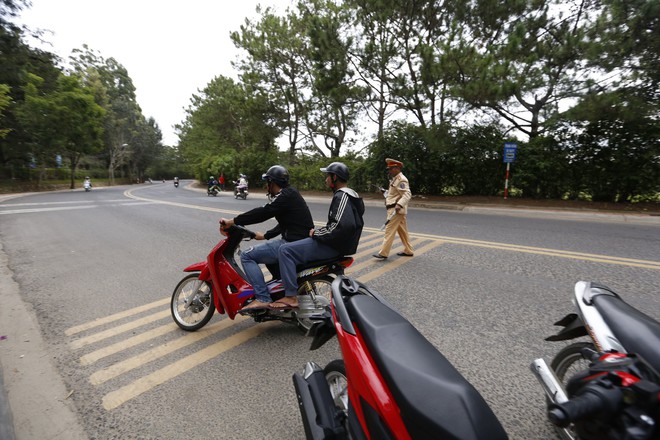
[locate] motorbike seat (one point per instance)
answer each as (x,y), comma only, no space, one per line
(435,400)
(316,263)
(638,332)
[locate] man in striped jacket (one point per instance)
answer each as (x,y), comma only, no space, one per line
(340,236)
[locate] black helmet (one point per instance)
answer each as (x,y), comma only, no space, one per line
(338,169)
(277,174)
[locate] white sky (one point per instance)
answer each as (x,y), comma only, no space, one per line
(171,49)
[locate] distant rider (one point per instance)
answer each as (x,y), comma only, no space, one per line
(212,183)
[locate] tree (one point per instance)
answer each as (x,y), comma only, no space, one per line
(5,100)
(626,41)
(66,120)
(18,60)
(334,105)
(521,61)
(225,122)
(274,68)
(124,121)
(375,58)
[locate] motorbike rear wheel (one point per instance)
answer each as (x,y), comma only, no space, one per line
(569,361)
(335,375)
(192,303)
(566,364)
(322,289)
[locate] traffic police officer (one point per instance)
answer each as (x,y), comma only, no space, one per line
(396,202)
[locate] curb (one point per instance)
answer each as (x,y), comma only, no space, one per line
(6,419)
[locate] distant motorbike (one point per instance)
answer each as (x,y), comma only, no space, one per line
(176,183)
(391,382)
(213,191)
(87,185)
(587,381)
(240,190)
(218,283)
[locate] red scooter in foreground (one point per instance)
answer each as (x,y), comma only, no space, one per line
(219,284)
(392,382)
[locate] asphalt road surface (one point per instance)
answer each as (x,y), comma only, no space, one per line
(97,269)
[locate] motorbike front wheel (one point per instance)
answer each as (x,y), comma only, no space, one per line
(335,376)
(566,364)
(192,303)
(322,289)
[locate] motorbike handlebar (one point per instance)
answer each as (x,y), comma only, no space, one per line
(245,231)
(242,230)
(594,400)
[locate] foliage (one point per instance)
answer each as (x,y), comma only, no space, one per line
(543,169)
(441,159)
(130,139)
(63,121)
(615,147)
(5,100)
(444,83)
(223,131)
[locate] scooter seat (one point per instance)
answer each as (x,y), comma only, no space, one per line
(637,332)
(435,400)
(317,263)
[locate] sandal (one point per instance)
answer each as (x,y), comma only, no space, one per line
(282,305)
(255,306)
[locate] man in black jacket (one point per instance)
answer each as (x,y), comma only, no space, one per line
(293,223)
(340,236)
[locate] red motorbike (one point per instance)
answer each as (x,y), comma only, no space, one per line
(392,382)
(219,284)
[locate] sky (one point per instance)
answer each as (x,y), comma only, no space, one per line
(170,49)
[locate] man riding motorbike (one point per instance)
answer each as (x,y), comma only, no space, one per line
(293,223)
(212,184)
(340,236)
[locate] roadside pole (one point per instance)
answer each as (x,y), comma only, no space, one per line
(510,153)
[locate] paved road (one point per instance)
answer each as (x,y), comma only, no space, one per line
(96,270)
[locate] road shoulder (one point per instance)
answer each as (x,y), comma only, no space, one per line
(36,393)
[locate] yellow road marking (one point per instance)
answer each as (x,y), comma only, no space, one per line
(398,262)
(115,317)
(79,343)
(373,261)
(94,356)
(116,398)
(157,352)
(540,251)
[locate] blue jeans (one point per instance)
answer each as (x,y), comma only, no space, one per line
(300,252)
(266,253)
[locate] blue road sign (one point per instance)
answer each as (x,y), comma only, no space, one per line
(510,152)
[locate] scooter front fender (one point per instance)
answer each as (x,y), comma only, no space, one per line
(197,267)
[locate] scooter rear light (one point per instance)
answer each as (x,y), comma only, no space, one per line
(347,262)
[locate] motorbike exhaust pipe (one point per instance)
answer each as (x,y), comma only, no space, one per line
(548,380)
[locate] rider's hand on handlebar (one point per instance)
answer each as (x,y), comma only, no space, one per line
(226,223)
(259,236)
